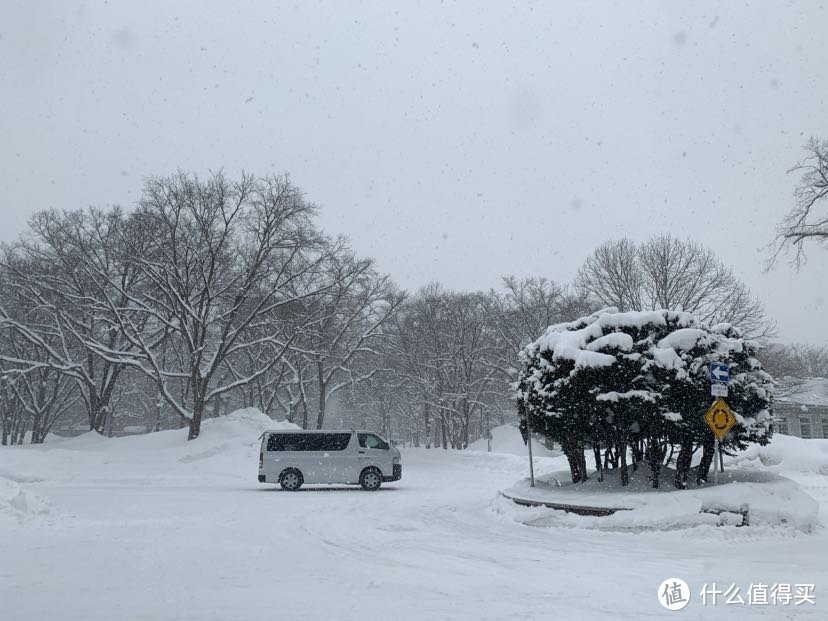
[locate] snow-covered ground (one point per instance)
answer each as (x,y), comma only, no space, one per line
(152,527)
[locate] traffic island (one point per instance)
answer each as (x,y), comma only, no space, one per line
(742,498)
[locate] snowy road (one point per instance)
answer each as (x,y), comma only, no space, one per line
(160,532)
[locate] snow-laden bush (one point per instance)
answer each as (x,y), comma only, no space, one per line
(639,380)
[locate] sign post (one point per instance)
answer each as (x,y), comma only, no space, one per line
(529,444)
(720,420)
(719,417)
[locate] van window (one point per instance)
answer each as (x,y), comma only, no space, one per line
(308,441)
(369,440)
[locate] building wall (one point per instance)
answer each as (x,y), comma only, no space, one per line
(801,420)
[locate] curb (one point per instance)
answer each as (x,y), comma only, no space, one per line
(577,509)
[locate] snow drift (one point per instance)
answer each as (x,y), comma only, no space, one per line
(507,439)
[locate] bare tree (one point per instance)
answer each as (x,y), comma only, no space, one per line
(52,280)
(419,354)
(472,368)
(796,360)
(445,359)
(220,260)
(808,218)
(37,395)
(666,272)
(524,309)
(613,275)
(10,414)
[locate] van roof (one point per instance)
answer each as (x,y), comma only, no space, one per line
(319,431)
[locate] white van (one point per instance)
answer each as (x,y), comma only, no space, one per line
(294,457)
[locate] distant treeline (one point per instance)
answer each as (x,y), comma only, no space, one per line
(218,293)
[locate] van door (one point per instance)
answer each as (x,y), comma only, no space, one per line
(374,451)
(337,457)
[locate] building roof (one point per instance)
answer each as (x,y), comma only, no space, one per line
(811,391)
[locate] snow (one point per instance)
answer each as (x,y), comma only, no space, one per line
(617,340)
(614,397)
(685,339)
(152,527)
(667,357)
(584,340)
(508,440)
(787,454)
(133,429)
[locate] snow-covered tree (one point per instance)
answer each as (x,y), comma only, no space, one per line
(218,262)
(53,279)
(34,397)
(445,352)
(637,382)
(346,323)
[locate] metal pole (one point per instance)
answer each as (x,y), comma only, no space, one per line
(529,444)
(715,471)
(488,433)
(721,459)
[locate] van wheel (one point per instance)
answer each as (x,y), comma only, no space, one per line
(291,480)
(370,479)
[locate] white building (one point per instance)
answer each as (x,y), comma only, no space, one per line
(801,407)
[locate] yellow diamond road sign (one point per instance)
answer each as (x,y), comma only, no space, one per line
(720,419)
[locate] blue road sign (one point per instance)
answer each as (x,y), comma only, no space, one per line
(719,372)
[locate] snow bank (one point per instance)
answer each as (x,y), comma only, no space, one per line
(227,446)
(508,439)
(242,424)
(246,424)
(19,504)
(787,453)
(239,431)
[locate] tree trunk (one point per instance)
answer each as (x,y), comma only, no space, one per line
(159,411)
(708,454)
(323,398)
(101,414)
(217,406)
(195,422)
(637,453)
(621,443)
(304,403)
(622,452)
(574,451)
(596,449)
(574,465)
(685,458)
(427,418)
(92,409)
(466,419)
(20,432)
(37,423)
(655,456)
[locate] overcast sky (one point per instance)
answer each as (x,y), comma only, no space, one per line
(456,141)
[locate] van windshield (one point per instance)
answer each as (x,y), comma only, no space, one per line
(369,440)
